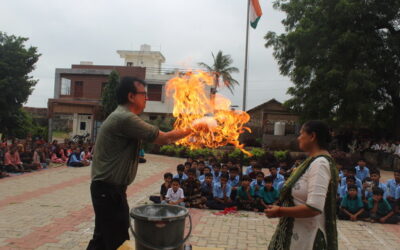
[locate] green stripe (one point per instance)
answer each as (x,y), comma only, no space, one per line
(254,24)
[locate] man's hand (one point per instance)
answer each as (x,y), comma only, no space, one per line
(382,220)
(353,217)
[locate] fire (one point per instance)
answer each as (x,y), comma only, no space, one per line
(192,102)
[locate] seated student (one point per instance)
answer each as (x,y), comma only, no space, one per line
(267,195)
(201,167)
(189,160)
(201,158)
(276,177)
(249,168)
(258,183)
(351,171)
(221,193)
(188,165)
(397,198)
(342,190)
(206,171)
(216,172)
(74,160)
(234,181)
(280,185)
(283,167)
(27,159)
(245,199)
(392,185)
(256,169)
(380,209)
(12,161)
(181,176)
(224,169)
(165,186)
(375,177)
(195,165)
(351,206)
(207,187)
(86,155)
(362,171)
(175,195)
(55,157)
(192,190)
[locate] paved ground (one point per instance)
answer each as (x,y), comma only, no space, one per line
(51,209)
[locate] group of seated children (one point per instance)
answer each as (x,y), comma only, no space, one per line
(202,184)
(362,196)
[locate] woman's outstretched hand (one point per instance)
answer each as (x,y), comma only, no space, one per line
(272,211)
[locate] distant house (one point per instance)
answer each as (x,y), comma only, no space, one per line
(272,119)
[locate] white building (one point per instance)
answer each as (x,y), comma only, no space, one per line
(158,104)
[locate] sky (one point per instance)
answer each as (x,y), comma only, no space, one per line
(185,31)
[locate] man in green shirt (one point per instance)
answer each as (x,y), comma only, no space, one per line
(115,162)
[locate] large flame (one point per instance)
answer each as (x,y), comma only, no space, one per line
(192,102)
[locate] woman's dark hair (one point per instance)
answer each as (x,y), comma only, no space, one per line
(126,86)
(321,131)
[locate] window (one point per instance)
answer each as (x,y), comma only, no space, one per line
(78,91)
(154,92)
(65,86)
(129,64)
(82,126)
(153,117)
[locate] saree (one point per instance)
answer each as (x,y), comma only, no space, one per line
(281,240)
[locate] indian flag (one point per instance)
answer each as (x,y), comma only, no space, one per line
(255,13)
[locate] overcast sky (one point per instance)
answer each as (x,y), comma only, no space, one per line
(186,31)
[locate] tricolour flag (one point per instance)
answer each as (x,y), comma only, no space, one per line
(255,13)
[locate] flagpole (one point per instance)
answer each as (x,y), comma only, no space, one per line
(245,57)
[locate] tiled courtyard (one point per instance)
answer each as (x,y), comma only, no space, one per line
(51,209)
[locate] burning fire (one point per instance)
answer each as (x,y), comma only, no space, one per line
(192,105)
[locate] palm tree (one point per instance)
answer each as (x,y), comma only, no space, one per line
(222,71)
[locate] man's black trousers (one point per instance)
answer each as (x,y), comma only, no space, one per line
(111,216)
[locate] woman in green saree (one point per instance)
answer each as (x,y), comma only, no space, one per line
(308,211)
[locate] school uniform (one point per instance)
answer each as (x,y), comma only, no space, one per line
(174,196)
(358,182)
(278,178)
(280,185)
(218,192)
(216,177)
(362,173)
(268,196)
(392,186)
(243,201)
(352,205)
(255,184)
(201,178)
(234,183)
(383,209)
(368,194)
(181,177)
(207,191)
(249,170)
(342,191)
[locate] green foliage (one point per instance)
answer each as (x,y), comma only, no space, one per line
(109,97)
(236,155)
(343,57)
(168,150)
(16,63)
(222,70)
(24,125)
(281,155)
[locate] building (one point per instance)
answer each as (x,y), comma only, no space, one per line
(158,105)
(275,124)
(75,108)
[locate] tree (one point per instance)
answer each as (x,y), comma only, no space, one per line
(343,57)
(222,70)
(109,97)
(16,63)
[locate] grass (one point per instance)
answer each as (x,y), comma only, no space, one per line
(60,134)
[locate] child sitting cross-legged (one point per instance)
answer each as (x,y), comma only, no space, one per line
(207,187)
(181,173)
(221,193)
(258,183)
(380,209)
(245,195)
(175,194)
(351,206)
(206,170)
(163,190)
(268,195)
(192,190)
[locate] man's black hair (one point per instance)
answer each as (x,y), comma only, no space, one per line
(225,176)
(246,178)
(209,175)
(375,171)
(201,162)
(234,169)
(176,180)
(126,86)
(377,191)
(351,169)
(268,179)
(260,173)
(166,175)
(188,163)
(192,171)
(180,167)
(273,166)
(352,186)
(351,178)
(208,168)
